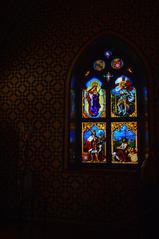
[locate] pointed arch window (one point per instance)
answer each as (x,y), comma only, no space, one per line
(108,106)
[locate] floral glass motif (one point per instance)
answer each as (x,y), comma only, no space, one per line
(93,142)
(99,65)
(117,63)
(123,98)
(124,142)
(93,98)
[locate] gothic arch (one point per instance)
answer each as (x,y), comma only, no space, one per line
(83,59)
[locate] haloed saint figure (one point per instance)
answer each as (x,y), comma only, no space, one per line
(93,99)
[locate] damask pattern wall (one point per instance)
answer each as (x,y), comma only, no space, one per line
(35,61)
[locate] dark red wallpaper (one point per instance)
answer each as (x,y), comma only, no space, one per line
(36,56)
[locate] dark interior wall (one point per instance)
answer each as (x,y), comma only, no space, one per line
(38,47)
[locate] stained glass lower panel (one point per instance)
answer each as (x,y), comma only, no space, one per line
(124,142)
(93,142)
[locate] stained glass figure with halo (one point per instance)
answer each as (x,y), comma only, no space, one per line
(94,98)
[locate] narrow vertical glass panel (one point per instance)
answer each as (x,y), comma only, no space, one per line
(72,125)
(72,107)
(72,99)
(72,137)
(145,94)
(123,98)
(124,142)
(93,99)
(146,140)
(93,142)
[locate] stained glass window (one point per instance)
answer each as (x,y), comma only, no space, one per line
(108,111)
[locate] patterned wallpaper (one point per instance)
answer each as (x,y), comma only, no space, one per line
(34,65)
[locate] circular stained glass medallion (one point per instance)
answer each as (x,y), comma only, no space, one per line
(99,65)
(117,63)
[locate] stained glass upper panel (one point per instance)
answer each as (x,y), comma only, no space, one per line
(123,98)
(94,99)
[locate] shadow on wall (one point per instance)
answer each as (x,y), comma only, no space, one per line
(149,196)
(8,169)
